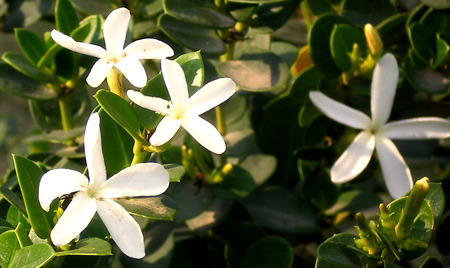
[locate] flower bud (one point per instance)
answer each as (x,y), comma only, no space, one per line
(373,40)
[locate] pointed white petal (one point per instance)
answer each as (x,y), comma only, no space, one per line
(148,49)
(93,150)
(339,112)
(152,103)
(176,84)
(417,128)
(83,48)
(74,219)
(99,72)
(123,228)
(166,129)
(397,175)
(355,158)
(58,182)
(133,70)
(384,84)
(144,179)
(204,133)
(210,95)
(115,30)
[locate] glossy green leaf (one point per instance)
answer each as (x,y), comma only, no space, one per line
(203,222)
(277,208)
(33,256)
(319,43)
(176,172)
(12,198)
(362,12)
(92,7)
(274,15)
(32,46)
(437,4)
(442,50)
(270,251)
(28,176)
(319,7)
(305,82)
(241,11)
(431,262)
(21,64)
(354,200)
(257,70)
(155,207)
(259,166)
(8,246)
(200,12)
(342,40)
(15,217)
(438,21)
(18,84)
(88,247)
(193,36)
(236,183)
(117,145)
(335,252)
(426,79)
(65,16)
(423,41)
(121,111)
(22,235)
(257,1)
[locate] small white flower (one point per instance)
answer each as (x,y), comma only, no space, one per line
(97,194)
(377,133)
(185,111)
(126,60)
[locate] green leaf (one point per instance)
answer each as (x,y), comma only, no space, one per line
(22,235)
(117,145)
(442,50)
(8,246)
(274,15)
(203,222)
(257,70)
(12,198)
(343,38)
(155,207)
(354,200)
(193,36)
(28,176)
(61,136)
(423,41)
(319,7)
(426,79)
(18,84)
(277,208)
(306,81)
(88,247)
(319,43)
(259,166)
(121,111)
(270,251)
(437,4)
(236,183)
(199,12)
(31,45)
(335,252)
(176,172)
(65,16)
(362,12)
(21,64)
(431,262)
(256,1)
(33,256)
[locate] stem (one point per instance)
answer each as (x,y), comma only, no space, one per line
(114,80)
(221,127)
(65,109)
(139,154)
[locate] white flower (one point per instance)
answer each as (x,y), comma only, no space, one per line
(125,59)
(184,110)
(377,133)
(97,194)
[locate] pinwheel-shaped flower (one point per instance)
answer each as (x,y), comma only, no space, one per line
(377,133)
(184,110)
(97,194)
(126,60)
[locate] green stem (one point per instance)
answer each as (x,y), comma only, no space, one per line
(65,109)
(140,155)
(221,127)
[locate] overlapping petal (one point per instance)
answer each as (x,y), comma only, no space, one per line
(339,112)
(152,103)
(396,173)
(75,219)
(144,179)
(93,150)
(204,133)
(83,48)
(210,95)
(417,128)
(115,30)
(166,129)
(384,85)
(123,228)
(148,49)
(99,72)
(175,82)
(133,70)
(354,159)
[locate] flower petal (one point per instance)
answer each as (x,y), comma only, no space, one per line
(339,112)
(148,49)
(144,179)
(152,103)
(123,228)
(83,48)
(397,175)
(133,70)
(204,133)
(210,95)
(99,72)
(58,182)
(384,84)
(355,158)
(166,129)
(74,219)
(417,128)
(176,84)
(115,30)
(93,150)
